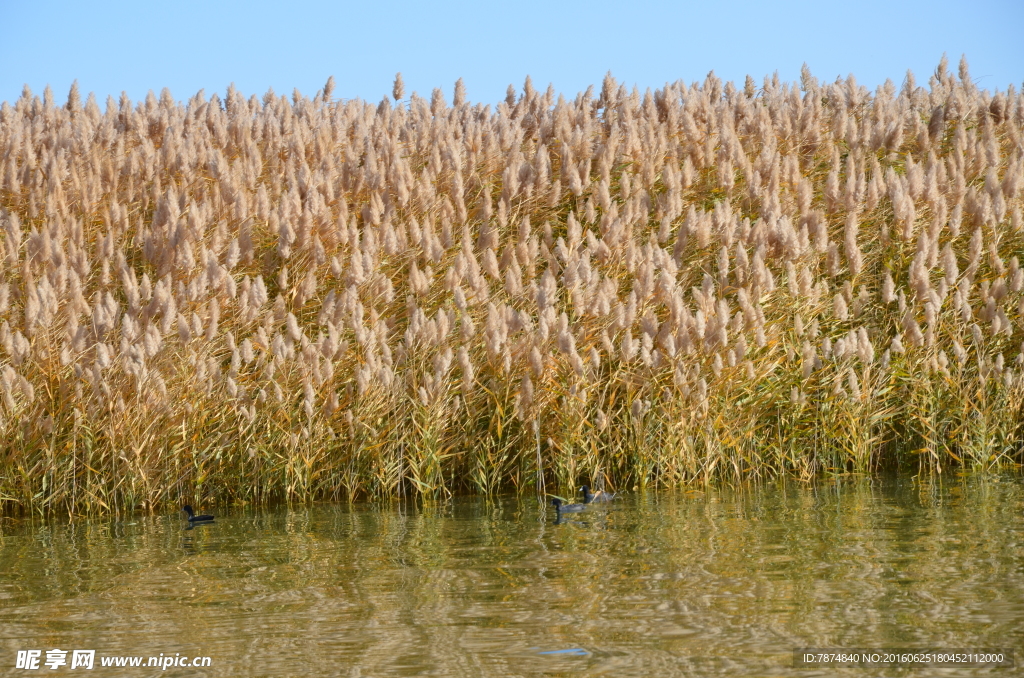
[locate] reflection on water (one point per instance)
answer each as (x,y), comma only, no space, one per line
(723,582)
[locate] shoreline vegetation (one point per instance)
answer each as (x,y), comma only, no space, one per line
(248,299)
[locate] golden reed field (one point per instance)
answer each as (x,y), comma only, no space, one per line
(263,299)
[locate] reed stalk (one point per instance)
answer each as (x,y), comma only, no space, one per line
(254,300)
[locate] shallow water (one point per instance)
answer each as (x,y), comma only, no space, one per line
(722,582)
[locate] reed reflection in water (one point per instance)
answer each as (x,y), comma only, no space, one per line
(722,582)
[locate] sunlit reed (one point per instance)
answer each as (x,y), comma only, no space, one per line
(246,299)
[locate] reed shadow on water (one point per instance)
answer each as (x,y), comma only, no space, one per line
(721,582)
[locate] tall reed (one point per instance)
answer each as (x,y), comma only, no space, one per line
(245,299)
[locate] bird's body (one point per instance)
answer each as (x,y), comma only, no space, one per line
(596,497)
(193,518)
(566,508)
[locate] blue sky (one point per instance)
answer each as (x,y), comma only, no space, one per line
(188,45)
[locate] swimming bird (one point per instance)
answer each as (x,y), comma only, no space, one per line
(566,508)
(193,518)
(598,496)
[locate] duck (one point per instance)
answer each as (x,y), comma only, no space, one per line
(599,496)
(193,518)
(566,508)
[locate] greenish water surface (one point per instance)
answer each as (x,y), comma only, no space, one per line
(702,583)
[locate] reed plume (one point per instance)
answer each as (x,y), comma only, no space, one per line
(267,298)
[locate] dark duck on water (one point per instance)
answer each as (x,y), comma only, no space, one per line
(596,497)
(566,508)
(193,518)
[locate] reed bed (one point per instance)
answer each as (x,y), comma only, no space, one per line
(252,300)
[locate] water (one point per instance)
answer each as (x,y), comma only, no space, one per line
(722,582)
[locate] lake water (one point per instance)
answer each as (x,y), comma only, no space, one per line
(702,583)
